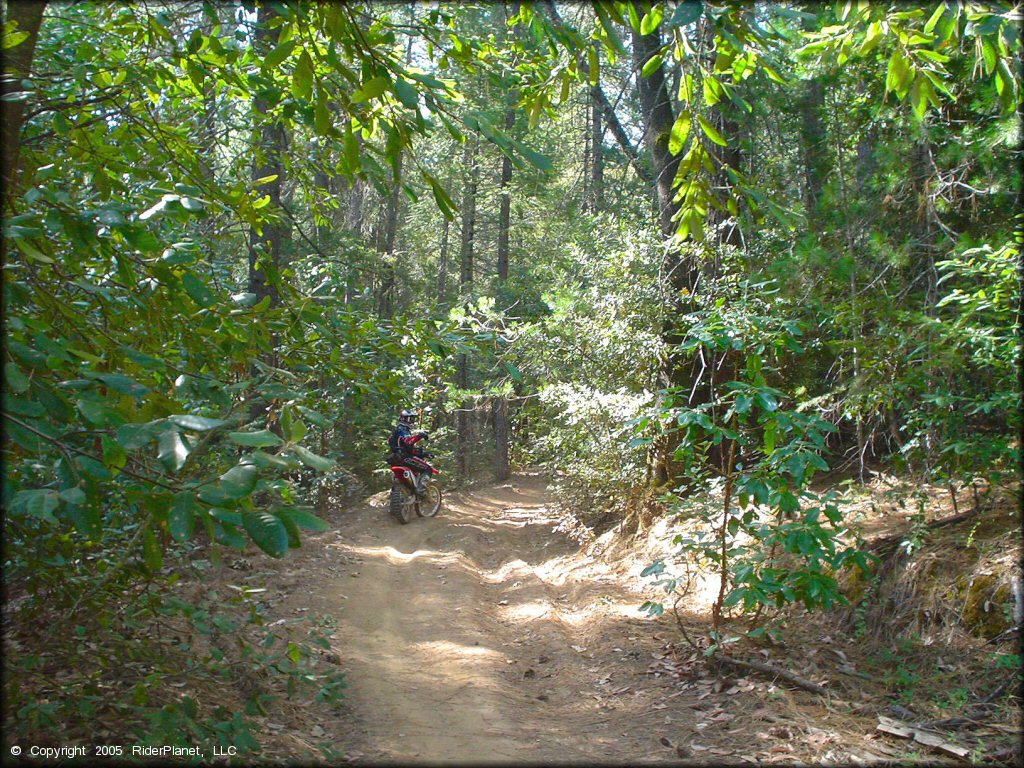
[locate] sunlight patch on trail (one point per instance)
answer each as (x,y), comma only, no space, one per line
(397,557)
(448,648)
(535,609)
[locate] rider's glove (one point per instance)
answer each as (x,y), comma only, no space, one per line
(422,434)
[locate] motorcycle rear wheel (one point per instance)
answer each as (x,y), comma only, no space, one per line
(430,503)
(402,503)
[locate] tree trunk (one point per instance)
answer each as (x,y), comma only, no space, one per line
(322,182)
(658,118)
(502,470)
(24,16)
(504,212)
(442,266)
(268,161)
(386,299)
(499,404)
(851,254)
(354,214)
(597,158)
(466,266)
(465,287)
(682,273)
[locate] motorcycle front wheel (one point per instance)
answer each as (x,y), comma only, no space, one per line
(430,503)
(402,502)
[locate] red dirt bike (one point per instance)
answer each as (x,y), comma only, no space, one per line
(406,498)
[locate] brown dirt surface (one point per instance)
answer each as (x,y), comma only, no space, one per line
(485,635)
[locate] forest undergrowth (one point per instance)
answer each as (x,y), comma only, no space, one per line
(926,636)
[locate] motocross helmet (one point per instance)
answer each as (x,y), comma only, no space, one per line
(407,417)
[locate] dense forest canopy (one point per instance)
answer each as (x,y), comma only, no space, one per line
(672,251)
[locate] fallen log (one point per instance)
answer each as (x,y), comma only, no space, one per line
(785,674)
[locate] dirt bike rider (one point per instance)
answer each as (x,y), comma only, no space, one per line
(404,448)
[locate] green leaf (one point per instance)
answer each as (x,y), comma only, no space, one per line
(276,57)
(304,519)
(651,20)
(899,75)
(119,383)
(152,554)
(294,539)
(680,133)
(407,93)
(229,535)
(302,81)
(712,90)
(315,416)
(16,380)
(39,503)
(244,299)
(371,89)
(872,38)
(593,66)
(158,208)
(197,289)
(113,454)
(32,252)
(181,520)
(613,41)
(264,460)
(13,38)
(86,517)
(634,17)
(298,431)
(97,412)
(710,132)
(513,371)
(267,532)
(686,12)
(259,439)
(652,64)
(311,459)
(239,481)
(538,160)
(196,423)
(936,15)
(322,122)
(171,450)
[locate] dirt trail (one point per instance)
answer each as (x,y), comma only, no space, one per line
(486,636)
(481,636)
